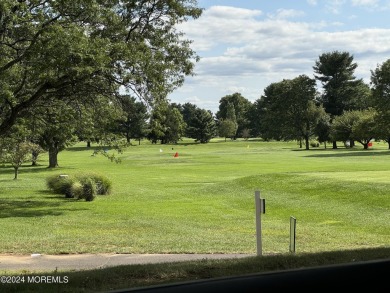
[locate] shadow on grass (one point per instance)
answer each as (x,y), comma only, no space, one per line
(85,148)
(27,169)
(25,208)
(350,153)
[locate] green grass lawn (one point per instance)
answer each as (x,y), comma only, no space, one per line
(203,200)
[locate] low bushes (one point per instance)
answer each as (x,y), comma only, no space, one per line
(314,144)
(81,186)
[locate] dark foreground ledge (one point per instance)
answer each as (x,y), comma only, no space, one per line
(369,276)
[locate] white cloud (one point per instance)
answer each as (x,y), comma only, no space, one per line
(370,3)
(312,2)
(257,45)
(228,12)
(221,24)
(286,14)
(246,54)
(335,6)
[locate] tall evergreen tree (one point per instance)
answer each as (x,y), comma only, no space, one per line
(335,70)
(201,126)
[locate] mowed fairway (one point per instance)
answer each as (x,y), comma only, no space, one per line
(203,200)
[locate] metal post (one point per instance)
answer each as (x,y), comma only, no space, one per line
(258,222)
(293,225)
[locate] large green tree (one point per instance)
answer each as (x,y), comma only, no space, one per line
(166,123)
(74,50)
(55,128)
(188,110)
(273,110)
(200,123)
(227,127)
(201,126)
(289,110)
(380,81)
(253,116)
(341,91)
(133,124)
(240,104)
(359,125)
(95,122)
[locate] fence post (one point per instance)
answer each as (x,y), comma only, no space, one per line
(260,209)
(293,225)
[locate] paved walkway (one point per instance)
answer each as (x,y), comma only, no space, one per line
(38,262)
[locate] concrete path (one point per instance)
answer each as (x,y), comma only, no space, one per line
(47,263)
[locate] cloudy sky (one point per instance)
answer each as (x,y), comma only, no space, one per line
(245,45)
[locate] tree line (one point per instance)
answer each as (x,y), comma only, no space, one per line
(341,108)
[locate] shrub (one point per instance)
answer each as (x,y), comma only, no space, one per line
(60,184)
(81,186)
(103,184)
(77,190)
(314,144)
(89,189)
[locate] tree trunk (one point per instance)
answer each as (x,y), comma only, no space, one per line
(53,160)
(16,172)
(88,143)
(334,144)
(34,158)
(365,145)
(307,143)
(139,141)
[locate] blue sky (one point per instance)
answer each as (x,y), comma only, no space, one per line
(246,45)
